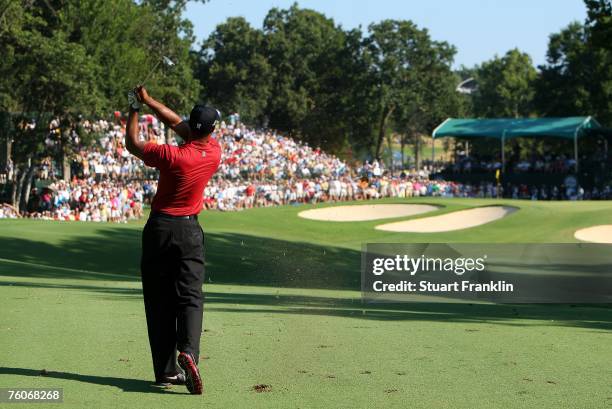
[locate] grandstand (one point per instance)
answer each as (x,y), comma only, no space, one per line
(559,152)
(262,168)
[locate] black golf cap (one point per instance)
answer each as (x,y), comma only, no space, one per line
(203,119)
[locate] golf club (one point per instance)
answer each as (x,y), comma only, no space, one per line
(165,60)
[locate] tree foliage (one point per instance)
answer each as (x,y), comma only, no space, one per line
(577,76)
(307,53)
(301,73)
(305,75)
(412,78)
(234,70)
(68,60)
(505,86)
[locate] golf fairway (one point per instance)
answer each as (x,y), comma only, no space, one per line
(284,324)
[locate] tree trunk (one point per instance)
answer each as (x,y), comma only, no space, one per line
(20,180)
(64,141)
(14,182)
(28,186)
(417,151)
(382,130)
(390,144)
(402,145)
(66,168)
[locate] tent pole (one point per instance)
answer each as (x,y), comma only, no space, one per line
(503,154)
(576,150)
(433,150)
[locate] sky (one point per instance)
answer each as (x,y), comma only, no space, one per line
(479,29)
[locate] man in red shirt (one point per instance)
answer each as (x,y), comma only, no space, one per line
(172,263)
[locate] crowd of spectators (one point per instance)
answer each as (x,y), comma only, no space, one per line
(547,163)
(259,168)
(108,158)
(88,200)
(107,184)
(243,195)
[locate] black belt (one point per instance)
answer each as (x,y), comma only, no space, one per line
(169,216)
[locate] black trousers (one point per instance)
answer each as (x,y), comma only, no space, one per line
(172,268)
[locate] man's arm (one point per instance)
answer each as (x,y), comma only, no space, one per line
(132,138)
(165,114)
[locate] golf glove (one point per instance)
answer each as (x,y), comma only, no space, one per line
(133,101)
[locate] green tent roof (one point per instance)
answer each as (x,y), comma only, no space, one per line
(511,128)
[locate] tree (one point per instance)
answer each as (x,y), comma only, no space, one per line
(55,78)
(577,79)
(599,22)
(294,75)
(599,29)
(127,40)
(173,36)
(410,74)
(235,71)
(564,85)
(307,53)
(12,21)
(430,99)
(505,86)
(359,108)
(58,65)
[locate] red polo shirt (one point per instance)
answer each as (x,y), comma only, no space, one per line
(184,172)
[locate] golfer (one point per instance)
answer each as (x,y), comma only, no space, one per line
(172,264)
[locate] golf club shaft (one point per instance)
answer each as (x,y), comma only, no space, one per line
(150,72)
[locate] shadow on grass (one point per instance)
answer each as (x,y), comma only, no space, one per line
(584,316)
(596,317)
(243,260)
(125,384)
(230,259)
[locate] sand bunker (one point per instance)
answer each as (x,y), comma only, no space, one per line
(595,234)
(365,212)
(462,219)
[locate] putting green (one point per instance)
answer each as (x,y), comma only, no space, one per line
(282,309)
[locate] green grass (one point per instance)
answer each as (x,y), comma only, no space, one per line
(409,151)
(282,308)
